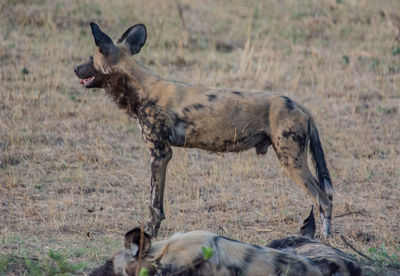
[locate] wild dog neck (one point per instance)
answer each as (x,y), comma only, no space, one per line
(128,85)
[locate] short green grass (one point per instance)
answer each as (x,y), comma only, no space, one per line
(55,264)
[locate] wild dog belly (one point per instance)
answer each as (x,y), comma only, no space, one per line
(227,129)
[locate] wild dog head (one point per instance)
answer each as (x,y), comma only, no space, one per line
(126,261)
(95,73)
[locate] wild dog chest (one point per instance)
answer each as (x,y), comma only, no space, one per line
(152,123)
(155,130)
(157,125)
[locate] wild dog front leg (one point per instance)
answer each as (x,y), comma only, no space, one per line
(156,134)
(159,162)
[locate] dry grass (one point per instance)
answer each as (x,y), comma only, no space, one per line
(74,172)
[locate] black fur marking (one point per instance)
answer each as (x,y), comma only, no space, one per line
(288,102)
(326,266)
(291,242)
(124,95)
(212,97)
(178,120)
(280,265)
(198,106)
(301,139)
(248,258)
(318,156)
(106,269)
(256,246)
(217,238)
(195,268)
(240,94)
(354,270)
(235,270)
(299,267)
(154,129)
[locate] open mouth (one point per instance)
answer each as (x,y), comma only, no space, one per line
(87,81)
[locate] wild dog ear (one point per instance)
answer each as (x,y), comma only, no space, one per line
(308,228)
(135,37)
(103,41)
(132,242)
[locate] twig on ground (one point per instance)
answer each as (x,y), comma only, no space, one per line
(358,212)
(355,250)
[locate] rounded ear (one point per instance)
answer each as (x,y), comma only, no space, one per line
(134,37)
(132,241)
(103,41)
(308,228)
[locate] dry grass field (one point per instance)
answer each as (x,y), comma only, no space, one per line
(74,171)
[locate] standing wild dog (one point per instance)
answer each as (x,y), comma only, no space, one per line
(182,254)
(174,114)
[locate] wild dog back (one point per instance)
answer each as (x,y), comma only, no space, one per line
(182,254)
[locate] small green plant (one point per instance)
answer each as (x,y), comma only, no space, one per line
(382,259)
(62,265)
(4,261)
(55,265)
(346,59)
(144,272)
(396,51)
(207,252)
(24,71)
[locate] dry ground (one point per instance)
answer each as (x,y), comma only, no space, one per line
(74,172)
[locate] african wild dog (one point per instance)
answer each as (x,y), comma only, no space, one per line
(182,254)
(174,114)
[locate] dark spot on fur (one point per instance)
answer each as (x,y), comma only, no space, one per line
(248,257)
(240,94)
(198,106)
(106,269)
(262,147)
(288,103)
(166,269)
(282,261)
(186,109)
(123,93)
(212,97)
(256,246)
(326,266)
(234,270)
(297,163)
(354,270)
(217,238)
(291,242)
(300,138)
(299,267)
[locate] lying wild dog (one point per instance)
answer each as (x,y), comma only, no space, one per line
(330,261)
(175,114)
(182,254)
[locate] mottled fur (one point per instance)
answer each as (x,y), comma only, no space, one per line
(182,254)
(174,114)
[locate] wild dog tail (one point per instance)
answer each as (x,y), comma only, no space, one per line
(318,157)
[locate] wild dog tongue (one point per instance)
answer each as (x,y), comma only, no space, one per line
(82,82)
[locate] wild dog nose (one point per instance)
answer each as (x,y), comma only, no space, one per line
(75,69)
